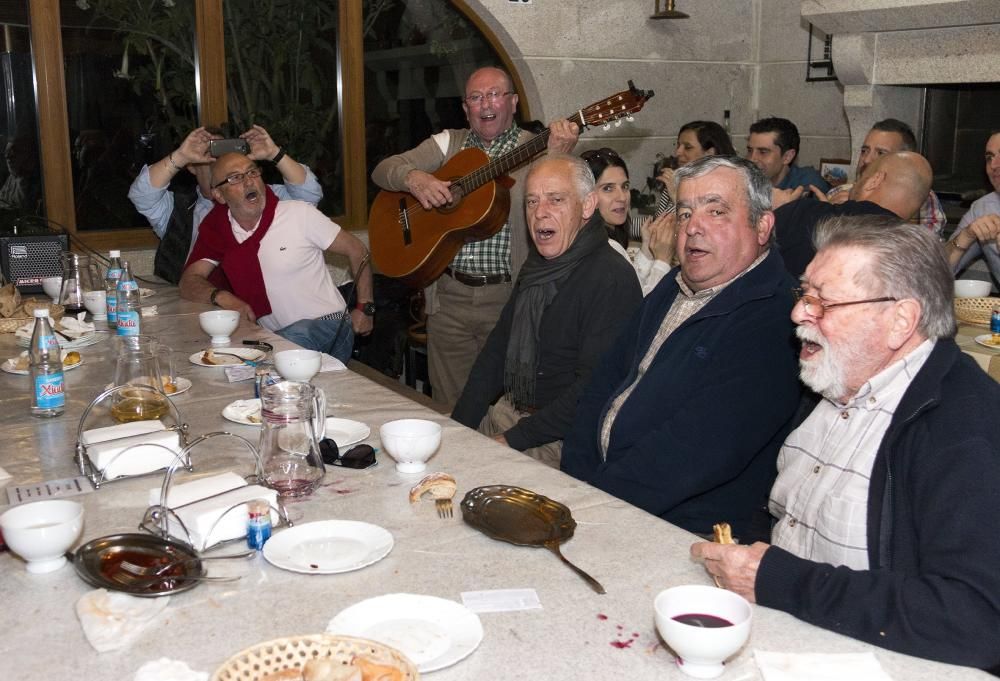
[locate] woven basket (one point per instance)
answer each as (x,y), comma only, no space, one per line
(256,662)
(12,324)
(975,310)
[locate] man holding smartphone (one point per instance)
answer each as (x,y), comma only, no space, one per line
(178,231)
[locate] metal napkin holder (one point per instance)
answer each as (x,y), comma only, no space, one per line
(156,519)
(97,475)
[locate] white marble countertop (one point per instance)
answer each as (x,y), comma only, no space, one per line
(576,635)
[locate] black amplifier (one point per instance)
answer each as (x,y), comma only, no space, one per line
(26,260)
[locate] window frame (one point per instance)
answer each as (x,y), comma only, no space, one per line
(210,82)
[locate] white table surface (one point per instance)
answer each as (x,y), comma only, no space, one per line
(576,635)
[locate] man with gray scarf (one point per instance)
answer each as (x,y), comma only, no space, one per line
(571,299)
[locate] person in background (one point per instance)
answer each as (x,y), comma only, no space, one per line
(464,303)
(694,140)
(614,203)
(570,301)
(887,492)
(888,137)
(271,254)
(22,190)
(152,198)
(978,233)
(773,146)
(684,415)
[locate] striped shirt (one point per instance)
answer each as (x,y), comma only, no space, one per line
(824,469)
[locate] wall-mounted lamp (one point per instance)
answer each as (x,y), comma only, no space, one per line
(668,11)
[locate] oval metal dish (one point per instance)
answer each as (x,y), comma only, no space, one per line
(98,562)
(517,515)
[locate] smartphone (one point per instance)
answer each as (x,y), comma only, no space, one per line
(218,148)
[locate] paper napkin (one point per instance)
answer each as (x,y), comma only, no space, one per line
(112,620)
(819,666)
(166,669)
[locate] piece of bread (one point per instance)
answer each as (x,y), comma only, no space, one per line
(439,485)
(283,675)
(208,357)
(72,357)
(326,669)
(372,671)
(723,533)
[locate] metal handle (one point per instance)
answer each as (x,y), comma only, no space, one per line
(594,584)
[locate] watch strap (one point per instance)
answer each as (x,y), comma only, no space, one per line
(277,157)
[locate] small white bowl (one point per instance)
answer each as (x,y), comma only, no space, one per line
(972,288)
(219,324)
(96,303)
(51,286)
(702,650)
(298,365)
(410,442)
(41,532)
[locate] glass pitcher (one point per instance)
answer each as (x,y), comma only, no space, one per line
(294,420)
(71,291)
(137,364)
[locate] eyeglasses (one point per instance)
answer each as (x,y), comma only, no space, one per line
(604,152)
(476,98)
(817,307)
(237,178)
(361,456)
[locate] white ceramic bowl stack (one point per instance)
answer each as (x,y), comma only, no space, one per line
(410,442)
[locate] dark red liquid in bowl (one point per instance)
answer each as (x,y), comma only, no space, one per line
(704,621)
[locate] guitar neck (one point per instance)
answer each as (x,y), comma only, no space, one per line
(504,164)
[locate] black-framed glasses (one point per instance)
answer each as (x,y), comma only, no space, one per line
(360,456)
(237,178)
(476,98)
(817,307)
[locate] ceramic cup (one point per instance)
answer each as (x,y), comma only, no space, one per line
(96,304)
(298,365)
(219,324)
(42,531)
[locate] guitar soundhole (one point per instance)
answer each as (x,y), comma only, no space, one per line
(457,194)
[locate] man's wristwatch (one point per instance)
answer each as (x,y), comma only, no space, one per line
(367,308)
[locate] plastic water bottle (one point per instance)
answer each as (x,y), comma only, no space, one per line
(48,397)
(128,303)
(111,287)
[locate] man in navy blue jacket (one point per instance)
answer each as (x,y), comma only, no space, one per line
(886,497)
(684,416)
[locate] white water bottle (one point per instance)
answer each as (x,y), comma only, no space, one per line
(48,397)
(111,287)
(128,303)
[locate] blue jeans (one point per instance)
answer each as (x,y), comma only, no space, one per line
(332,336)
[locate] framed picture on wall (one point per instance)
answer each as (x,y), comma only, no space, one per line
(835,170)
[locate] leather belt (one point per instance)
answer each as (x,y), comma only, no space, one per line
(477,279)
(334,315)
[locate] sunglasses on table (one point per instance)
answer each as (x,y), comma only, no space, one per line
(359,456)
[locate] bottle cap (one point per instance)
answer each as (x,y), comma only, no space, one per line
(41,312)
(115,254)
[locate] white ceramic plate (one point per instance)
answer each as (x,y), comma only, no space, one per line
(9,365)
(251,354)
(240,412)
(183,385)
(328,547)
(91,338)
(433,632)
(344,432)
(986,340)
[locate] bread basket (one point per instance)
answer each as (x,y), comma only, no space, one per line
(256,662)
(975,310)
(12,324)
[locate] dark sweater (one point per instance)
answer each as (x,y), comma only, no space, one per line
(795,222)
(933,587)
(586,315)
(696,441)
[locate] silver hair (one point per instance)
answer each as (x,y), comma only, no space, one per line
(909,262)
(758,187)
(583,178)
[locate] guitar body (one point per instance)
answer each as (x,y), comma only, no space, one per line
(420,254)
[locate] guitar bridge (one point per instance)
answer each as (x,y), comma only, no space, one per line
(404,222)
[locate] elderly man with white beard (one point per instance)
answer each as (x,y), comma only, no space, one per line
(885,490)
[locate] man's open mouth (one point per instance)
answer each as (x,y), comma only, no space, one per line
(252,195)
(544,234)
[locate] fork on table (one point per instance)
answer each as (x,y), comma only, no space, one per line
(444,508)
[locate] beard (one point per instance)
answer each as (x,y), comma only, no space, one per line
(826,373)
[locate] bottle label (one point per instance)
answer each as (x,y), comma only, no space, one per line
(49,342)
(112,307)
(127,285)
(49,391)
(128,323)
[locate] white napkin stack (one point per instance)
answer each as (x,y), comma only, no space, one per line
(147,440)
(819,666)
(180,495)
(166,669)
(112,620)
(74,327)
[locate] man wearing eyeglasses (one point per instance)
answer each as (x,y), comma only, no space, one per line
(463,305)
(271,255)
(684,415)
(886,495)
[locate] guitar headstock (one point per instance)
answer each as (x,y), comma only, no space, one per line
(613,108)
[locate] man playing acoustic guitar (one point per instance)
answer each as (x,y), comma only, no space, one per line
(464,304)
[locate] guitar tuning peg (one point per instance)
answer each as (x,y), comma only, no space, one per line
(618,123)
(606,126)
(630,119)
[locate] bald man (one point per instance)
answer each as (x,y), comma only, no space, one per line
(894,184)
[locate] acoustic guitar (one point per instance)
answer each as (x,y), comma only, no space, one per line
(415,245)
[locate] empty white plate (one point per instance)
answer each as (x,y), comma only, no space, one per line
(327,547)
(433,632)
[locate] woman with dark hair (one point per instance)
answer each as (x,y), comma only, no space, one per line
(694,140)
(614,201)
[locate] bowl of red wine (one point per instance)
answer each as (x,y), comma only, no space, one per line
(703,625)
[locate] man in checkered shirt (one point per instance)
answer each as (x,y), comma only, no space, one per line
(886,496)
